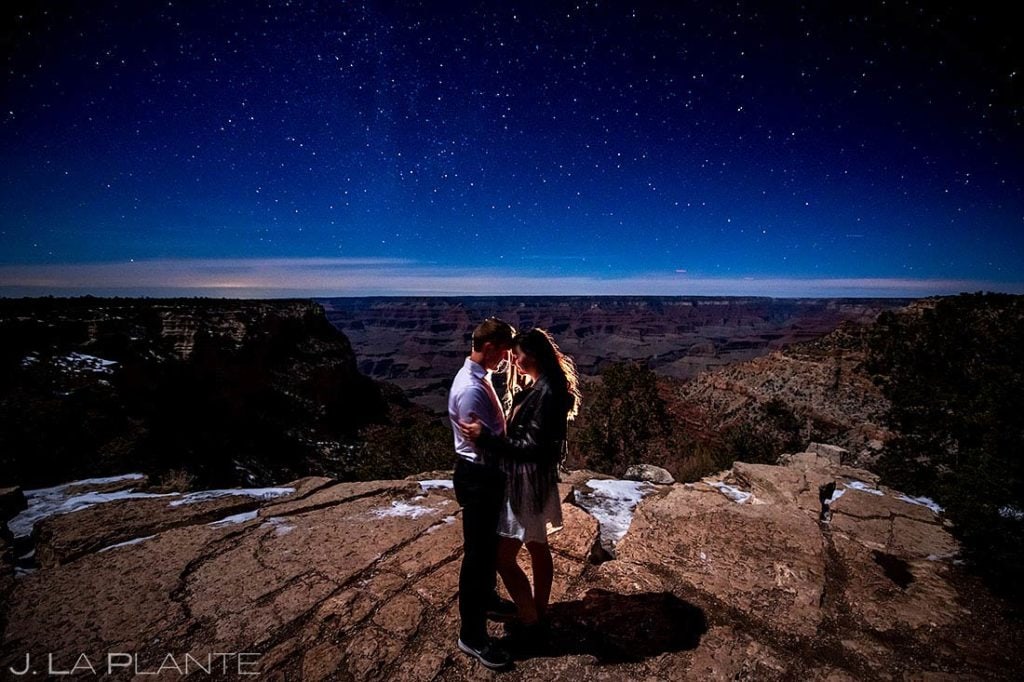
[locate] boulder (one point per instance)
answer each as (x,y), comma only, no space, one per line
(834,454)
(649,473)
(765,560)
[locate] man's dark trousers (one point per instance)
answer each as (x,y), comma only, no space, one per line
(480,490)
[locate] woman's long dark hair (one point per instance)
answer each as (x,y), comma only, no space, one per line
(559,371)
(559,368)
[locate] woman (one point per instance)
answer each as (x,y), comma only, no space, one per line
(530,454)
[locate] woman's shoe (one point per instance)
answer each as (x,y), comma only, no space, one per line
(528,636)
(501,610)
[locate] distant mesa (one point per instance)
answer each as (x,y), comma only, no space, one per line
(419,343)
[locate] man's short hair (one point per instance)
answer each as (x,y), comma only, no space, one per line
(496,331)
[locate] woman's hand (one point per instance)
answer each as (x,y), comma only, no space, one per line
(471,430)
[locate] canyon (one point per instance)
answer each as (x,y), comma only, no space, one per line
(419,343)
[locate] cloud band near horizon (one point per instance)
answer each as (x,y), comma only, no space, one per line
(327,277)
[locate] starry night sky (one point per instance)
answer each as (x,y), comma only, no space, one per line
(332,148)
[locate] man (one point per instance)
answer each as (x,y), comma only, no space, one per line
(480,490)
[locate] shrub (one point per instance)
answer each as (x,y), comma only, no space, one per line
(955,376)
(622,416)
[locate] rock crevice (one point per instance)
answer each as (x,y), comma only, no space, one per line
(735,577)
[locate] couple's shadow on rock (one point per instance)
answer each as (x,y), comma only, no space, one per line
(617,628)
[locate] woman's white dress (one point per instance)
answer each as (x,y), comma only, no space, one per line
(529,525)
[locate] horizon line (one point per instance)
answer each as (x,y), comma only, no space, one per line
(393,277)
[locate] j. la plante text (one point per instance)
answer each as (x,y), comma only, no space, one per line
(221,663)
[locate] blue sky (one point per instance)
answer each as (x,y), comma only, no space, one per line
(336,148)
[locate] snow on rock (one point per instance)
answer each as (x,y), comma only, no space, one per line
(735,494)
(923,501)
(235,518)
(433,483)
(80,362)
(133,541)
(280,526)
(612,503)
(866,488)
(1009,512)
(863,487)
(75,362)
(258,493)
(400,508)
(66,498)
(444,522)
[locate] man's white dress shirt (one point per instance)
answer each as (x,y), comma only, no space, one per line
(472,393)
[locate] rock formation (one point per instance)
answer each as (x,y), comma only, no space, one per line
(734,577)
(419,343)
(224,392)
(822,384)
(649,473)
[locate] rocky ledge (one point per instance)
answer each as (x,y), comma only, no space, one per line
(807,570)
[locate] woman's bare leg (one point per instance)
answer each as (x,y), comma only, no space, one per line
(543,575)
(515,580)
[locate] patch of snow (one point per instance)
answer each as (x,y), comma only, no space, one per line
(940,557)
(863,487)
(444,522)
(400,508)
(923,501)
(80,362)
(20,572)
(235,518)
(29,360)
(86,482)
(45,502)
(280,526)
(437,483)
(29,555)
(735,494)
(258,493)
(703,556)
(612,503)
(134,541)
(1010,512)
(836,494)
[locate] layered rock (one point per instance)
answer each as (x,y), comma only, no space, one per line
(336,580)
(820,387)
(224,392)
(876,592)
(419,343)
(735,577)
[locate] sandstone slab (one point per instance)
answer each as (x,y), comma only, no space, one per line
(767,561)
(64,537)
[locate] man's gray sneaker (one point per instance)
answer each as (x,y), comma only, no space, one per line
(490,654)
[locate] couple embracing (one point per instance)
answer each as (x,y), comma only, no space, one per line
(506,478)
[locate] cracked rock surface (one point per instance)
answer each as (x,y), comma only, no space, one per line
(340,581)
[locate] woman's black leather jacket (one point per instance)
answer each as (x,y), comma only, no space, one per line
(536,432)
